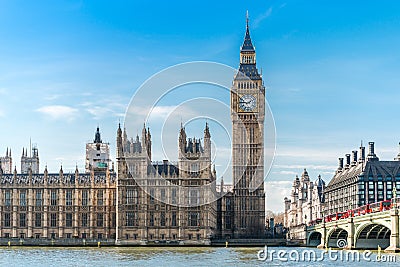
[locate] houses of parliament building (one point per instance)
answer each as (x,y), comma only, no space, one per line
(139,201)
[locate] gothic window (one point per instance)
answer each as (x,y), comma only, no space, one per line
(7,198)
(22,198)
(85,198)
(68,219)
(193,219)
(7,220)
(53,198)
(162,218)
(130,218)
(39,198)
(173,219)
(53,220)
(68,197)
(228,204)
(151,218)
(113,219)
(131,196)
(194,198)
(173,196)
(163,195)
(22,220)
(85,219)
(152,196)
(100,219)
(228,222)
(38,219)
(114,198)
(251,135)
(194,168)
(100,197)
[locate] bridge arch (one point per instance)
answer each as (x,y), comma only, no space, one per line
(336,234)
(372,235)
(314,239)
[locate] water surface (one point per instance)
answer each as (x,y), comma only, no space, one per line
(164,256)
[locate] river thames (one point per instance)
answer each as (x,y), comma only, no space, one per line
(175,256)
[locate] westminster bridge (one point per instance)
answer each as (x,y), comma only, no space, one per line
(368,231)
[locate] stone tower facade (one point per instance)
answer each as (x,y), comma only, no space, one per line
(247,114)
(30,162)
(6,163)
(97,154)
(59,207)
(305,203)
(162,201)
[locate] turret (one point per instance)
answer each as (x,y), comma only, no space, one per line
(182,142)
(148,144)
(97,138)
(207,142)
(31,162)
(6,162)
(119,142)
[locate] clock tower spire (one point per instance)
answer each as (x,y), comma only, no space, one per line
(247,114)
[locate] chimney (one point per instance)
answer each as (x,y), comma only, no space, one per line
(354,162)
(340,164)
(371,152)
(362,154)
(347,161)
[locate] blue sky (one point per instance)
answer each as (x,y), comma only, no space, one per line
(330,67)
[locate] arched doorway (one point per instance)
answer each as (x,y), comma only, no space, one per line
(314,239)
(372,236)
(337,238)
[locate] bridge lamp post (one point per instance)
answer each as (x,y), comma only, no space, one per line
(323,239)
(351,209)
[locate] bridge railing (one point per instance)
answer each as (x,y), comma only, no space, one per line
(396,202)
(380,206)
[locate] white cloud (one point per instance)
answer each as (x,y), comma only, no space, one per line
(58,112)
(161,111)
(309,167)
(262,17)
(99,112)
(105,106)
(276,191)
(286,172)
(52,97)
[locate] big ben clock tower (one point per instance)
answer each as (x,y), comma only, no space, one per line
(247,114)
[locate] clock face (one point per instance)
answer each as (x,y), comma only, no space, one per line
(247,103)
